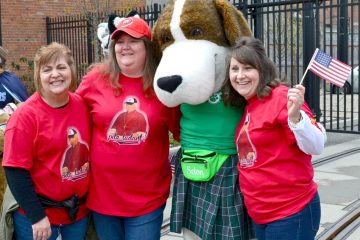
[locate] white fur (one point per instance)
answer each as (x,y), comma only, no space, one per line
(175,21)
(200,63)
(103,36)
(117,20)
(199,58)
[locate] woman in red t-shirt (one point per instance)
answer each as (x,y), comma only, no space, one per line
(275,140)
(130,170)
(38,138)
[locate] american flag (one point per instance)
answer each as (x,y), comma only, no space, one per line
(329,69)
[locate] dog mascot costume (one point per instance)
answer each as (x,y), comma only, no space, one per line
(192,38)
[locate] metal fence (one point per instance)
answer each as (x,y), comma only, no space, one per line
(79,33)
(290,30)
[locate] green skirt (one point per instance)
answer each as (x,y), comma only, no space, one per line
(212,210)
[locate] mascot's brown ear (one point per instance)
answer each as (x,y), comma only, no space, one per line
(156,43)
(161,29)
(235,25)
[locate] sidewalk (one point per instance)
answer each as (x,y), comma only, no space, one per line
(339,181)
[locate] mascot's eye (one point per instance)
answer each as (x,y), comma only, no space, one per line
(165,39)
(196,32)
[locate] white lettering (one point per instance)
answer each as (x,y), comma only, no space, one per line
(124,138)
(194,171)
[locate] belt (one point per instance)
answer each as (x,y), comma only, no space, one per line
(71,204)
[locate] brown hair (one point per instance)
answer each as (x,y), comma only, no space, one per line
(49,53)
(249,50)
(109,67)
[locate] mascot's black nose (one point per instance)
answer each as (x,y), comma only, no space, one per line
(169,83)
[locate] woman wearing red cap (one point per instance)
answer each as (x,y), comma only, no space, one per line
(130,168)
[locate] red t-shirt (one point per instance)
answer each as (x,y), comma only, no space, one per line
(36,139)
(130,170)
(128,123)
(76,157)
(276,177)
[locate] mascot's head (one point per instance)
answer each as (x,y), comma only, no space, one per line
(192,38)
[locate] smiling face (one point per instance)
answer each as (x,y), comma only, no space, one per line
(55,78)
(244,78)
(130,55)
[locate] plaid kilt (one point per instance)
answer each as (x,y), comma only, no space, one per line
(212,210)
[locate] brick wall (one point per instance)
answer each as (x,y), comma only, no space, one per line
(23,22)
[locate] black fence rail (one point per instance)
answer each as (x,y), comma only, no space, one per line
(290,30)
(75,32)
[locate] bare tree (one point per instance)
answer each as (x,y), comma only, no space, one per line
(96,11)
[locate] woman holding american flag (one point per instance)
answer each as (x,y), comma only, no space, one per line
(275,140)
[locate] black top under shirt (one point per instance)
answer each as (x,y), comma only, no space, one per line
(22,188)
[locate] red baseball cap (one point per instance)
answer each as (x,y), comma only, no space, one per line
(134,26)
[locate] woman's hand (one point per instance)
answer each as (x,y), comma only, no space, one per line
(295,98)
(42,229)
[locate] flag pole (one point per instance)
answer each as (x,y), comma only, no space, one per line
(312,59)
(303,77)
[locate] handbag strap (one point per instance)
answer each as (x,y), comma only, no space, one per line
(198,156)
(12,93)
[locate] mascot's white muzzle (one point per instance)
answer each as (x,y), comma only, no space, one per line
(190,71)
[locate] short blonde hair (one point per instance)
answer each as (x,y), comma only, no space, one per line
(50,53)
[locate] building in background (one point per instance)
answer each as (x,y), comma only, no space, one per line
(23,23)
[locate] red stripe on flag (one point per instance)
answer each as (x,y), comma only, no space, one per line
(329,69)
(341,68)
(324,73)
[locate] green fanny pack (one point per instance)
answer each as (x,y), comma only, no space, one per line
(201,165)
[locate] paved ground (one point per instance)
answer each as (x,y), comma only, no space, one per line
(339,182)
(340,138)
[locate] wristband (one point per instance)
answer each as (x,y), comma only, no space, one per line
(293,125)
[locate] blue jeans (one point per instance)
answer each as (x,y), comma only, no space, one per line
(144,227)
(299,226)
(23,229)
